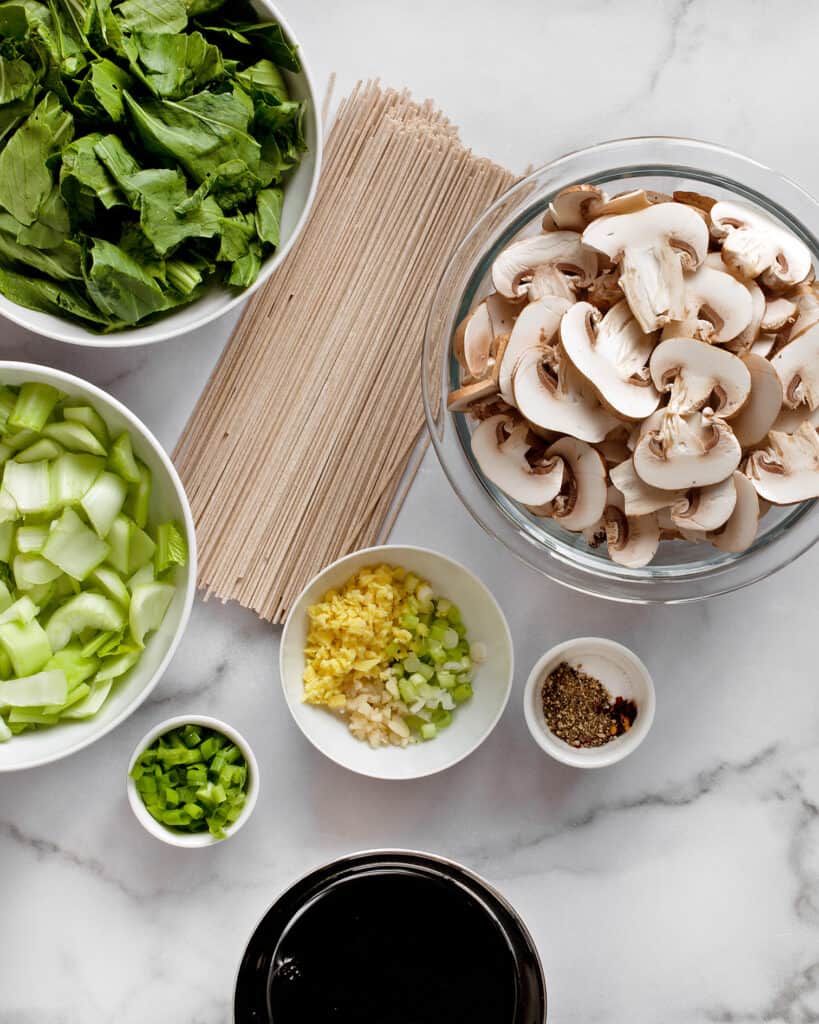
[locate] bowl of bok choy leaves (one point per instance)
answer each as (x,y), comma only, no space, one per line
(157,162)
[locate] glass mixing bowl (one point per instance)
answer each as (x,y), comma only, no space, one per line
(680,571)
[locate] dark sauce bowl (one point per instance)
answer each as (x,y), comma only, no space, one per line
(483,964)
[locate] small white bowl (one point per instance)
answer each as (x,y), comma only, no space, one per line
(472,723)
(168,501)
(300,191)
(192,840)
(623,675)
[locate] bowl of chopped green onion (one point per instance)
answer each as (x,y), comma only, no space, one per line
(193,781)
(97,564)
(396,662)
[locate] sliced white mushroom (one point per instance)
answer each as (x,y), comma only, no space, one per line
(787,471)
(470,394)
(612,353)
(668,531)
(502,313)
(535,328)
(746,338)
(790,420)
(806,299)
(705,508)
(758,415)
(629,202)
(717,298)
(764,346)
(798,367)
(653,247)
(778,314)
(632,540)
(739,532)
(500,447)
(699,330)
(551,394)
(487,387)
(571,208)
(754,245)
(548,222)
(515,266)
(473,340)
(687,451)
(640,498)
(697,375)
(695,199)
(582,496)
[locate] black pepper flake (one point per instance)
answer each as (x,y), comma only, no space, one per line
(581,711)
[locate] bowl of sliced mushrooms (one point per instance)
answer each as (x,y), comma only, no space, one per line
(621,370)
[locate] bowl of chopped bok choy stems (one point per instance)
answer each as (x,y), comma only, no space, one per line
(97,563)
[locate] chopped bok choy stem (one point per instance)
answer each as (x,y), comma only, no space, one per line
(86,574)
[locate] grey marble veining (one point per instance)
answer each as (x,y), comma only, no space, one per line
(680,887)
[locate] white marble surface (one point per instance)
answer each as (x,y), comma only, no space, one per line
(681,886)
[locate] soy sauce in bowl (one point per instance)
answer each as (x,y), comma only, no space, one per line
(390,937)
(394,948)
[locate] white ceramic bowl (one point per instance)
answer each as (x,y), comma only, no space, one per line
(168,501)
(623,675)
(300,191)
(473,722)
(192,840)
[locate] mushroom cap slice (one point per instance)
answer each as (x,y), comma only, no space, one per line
(787,471)
(572,207)
(695,199)
(469,394)
(778,314)
(473,340)
(697,375)
(806,299)
(739,532)
(514,267)
(502,313)
(758,415)
(640,498)
(687,451)
(632,540)
(582,496)
(536,326)
(653,247)
(718,298)
(629,202)
(754,244)
(550,393)
(612,354)
(500,447)
(790,420)
(798,367)
(705,508)
(746,338)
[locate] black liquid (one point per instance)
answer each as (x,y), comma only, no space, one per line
(393,948)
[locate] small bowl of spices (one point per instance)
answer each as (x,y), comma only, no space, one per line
(589,702)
